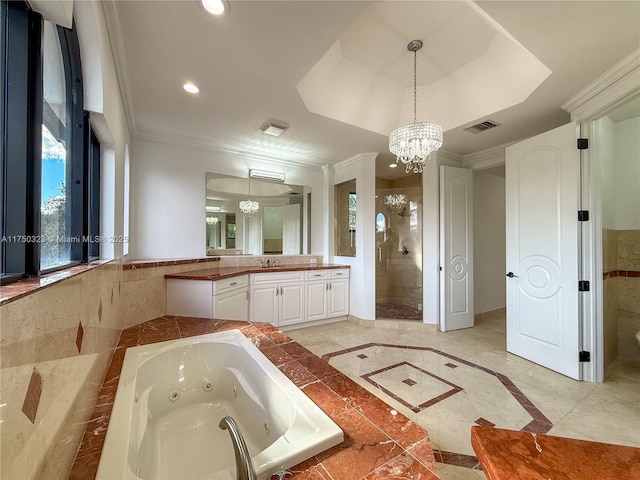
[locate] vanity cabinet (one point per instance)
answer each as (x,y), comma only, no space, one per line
(226,299)
(231,298)
(282,298)
(326,294)
(277,298)
(190,298)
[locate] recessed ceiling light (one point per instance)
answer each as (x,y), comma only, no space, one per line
(393,165)
(214,7)
(190,87)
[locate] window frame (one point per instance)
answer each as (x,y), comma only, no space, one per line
(21,107)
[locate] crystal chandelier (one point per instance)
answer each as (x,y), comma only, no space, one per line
(249,207)
(212,220)
(395,201)
(413,143)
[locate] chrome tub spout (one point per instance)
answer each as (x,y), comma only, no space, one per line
(244,465)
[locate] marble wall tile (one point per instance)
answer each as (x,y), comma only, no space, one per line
(18,332)
(628,249)
(610,320)
(628,325)
(41,330)
(609,250)
(628,289)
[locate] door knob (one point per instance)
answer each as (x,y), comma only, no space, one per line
(511,275)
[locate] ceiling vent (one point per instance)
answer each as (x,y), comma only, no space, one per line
(483,126)
(271,128)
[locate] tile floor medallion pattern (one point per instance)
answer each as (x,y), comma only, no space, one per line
(449,382)
(433,388)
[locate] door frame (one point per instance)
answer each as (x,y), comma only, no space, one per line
(615,87)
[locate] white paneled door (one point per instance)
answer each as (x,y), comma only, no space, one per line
(456,248)
(542,179)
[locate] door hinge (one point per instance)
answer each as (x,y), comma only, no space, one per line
(583,215)
(584,356)
(583,286)
(583,143)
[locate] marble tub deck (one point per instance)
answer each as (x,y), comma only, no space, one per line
(380,442)
(507,454)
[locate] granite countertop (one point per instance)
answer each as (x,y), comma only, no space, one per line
(226,272)
(507,454)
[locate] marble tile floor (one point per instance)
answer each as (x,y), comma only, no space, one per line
(448,382)
(394,310)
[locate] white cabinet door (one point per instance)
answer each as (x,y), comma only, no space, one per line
(231,305)
(189,298)
(316,300)
(264,304)
(291,303)
(338,298)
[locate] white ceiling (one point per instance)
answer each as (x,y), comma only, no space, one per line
(249,63)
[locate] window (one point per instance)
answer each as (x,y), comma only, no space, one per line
(55,210)
(50,180)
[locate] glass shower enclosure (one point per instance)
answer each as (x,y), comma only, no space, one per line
(399,248)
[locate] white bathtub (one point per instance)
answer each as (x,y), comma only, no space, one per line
(172,395)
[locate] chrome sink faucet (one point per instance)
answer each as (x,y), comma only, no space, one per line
(244,466)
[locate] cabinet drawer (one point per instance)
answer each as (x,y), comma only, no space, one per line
(276,277)
(343,272)
(316,274)
(228,284)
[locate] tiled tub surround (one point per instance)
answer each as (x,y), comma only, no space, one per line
(56,344)
(144,288)
(380,442)
(172,396)
(450,382)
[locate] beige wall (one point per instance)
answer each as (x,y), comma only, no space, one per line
(489,242)
(59,340)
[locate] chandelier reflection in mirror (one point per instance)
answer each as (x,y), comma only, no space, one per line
(249,207)
(395,201)
(212,220)
(413,144)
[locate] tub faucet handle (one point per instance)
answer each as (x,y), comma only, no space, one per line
(281,474)
(244,466)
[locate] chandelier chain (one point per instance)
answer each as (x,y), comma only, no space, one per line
(415,85)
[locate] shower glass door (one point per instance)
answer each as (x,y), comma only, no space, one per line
(399,248)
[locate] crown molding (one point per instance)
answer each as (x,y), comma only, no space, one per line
(447,156)
(187,142)
(489,158)
(355,159)
(609,90)
(118,52)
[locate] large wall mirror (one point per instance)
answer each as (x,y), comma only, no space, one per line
(281,226)
(345,218)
